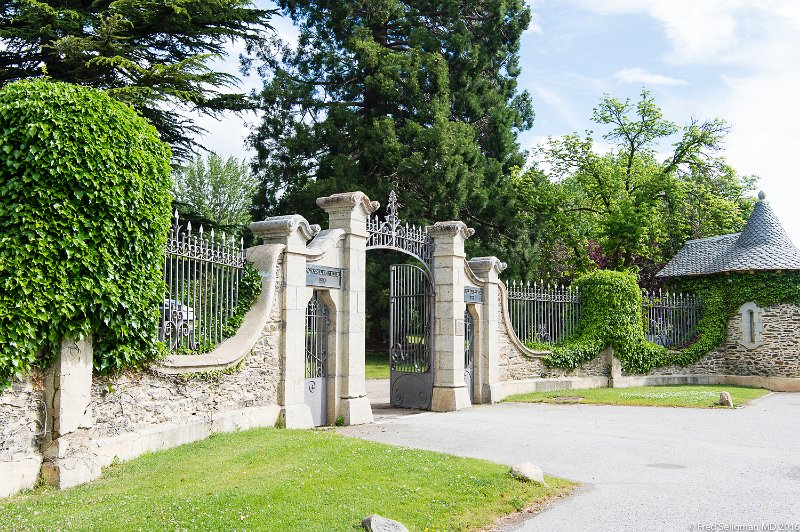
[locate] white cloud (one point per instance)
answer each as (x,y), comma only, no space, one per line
(640,75)
(697,29)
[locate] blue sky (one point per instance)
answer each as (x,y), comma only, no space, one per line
(734,59)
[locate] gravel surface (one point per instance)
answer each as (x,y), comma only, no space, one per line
(642,468)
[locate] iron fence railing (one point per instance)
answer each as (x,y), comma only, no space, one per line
(202,274)
(670,319)
(543,313)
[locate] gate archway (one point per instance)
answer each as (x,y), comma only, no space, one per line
(411,293)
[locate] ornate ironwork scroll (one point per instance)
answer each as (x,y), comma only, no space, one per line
(670,319)
(391,233)
(410,324)
(543,313)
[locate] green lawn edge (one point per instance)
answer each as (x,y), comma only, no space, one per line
(376,365)
(273,479)
(684,396)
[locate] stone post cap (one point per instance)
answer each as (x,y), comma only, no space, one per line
(482,266)
(347,201)
(451,229)
(278,229)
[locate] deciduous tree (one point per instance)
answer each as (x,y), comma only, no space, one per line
(640,201)
(218,190)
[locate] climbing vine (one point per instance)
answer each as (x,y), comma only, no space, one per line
(611,316)
(84,213)
(722,296)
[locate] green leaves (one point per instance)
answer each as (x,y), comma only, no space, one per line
(611,315)
(420,97)
(151,54)
(630,205)
(84,211)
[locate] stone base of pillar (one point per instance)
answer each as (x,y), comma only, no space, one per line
(67,462)
(356,410)
(450,399)
(296,417)
(493,393)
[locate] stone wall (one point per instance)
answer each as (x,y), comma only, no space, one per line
(777,353)
(132,413)
(21,418)
(772,361)
(21,427)
(137,400)
(514,364)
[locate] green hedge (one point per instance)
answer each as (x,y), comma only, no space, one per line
(84,213)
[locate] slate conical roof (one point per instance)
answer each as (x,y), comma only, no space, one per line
(762,245)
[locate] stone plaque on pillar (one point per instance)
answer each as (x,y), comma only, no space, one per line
(473,294)
(323,276)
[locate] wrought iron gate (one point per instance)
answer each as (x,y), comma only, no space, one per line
(316,363)
(469,353)
(410,349)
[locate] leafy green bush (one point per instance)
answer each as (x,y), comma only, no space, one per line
(84,213)
(611,316)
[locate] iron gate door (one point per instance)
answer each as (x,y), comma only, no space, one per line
(469,354)
(316,362)
(410,349)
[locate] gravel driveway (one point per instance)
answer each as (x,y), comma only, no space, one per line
(642,468)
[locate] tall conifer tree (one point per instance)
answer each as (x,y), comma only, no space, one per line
(381,94)
(152,54)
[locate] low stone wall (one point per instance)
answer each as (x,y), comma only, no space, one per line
(776,354)
(515,364)
(132,413)
(135,401)
(21,426)
(773,362)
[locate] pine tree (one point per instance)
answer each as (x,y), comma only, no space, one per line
(382,94)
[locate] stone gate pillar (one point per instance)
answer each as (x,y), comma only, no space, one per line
(349,212)
(449,389)
(293,231)
(487,363)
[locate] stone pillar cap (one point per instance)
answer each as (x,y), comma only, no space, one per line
(279,228)
(348,201)
(451,228)
(483,265)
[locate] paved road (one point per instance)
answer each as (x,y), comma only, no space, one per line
(641,468)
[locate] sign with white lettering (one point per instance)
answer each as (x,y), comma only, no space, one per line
(323,276)
(473,294)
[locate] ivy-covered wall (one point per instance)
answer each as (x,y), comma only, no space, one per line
(611,316)
(84,212)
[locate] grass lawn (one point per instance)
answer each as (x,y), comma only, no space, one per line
(270,479)
(377,365)
(691,396)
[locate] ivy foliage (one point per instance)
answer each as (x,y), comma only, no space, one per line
(84,213)
(249,290)
(722,296)
(611,316)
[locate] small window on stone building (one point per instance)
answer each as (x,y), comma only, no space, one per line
(750,325)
